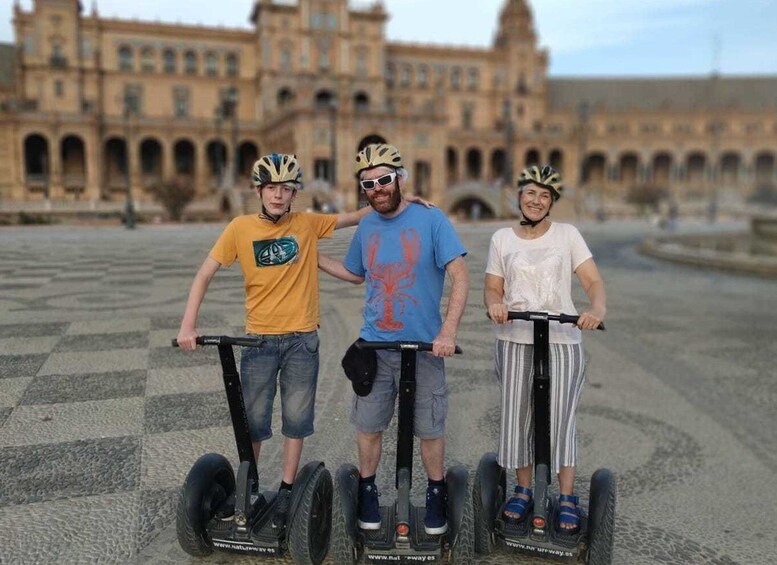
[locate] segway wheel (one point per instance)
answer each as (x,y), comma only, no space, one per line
(344,515)
(209,482)
(601,520)
(311,525)
(488,492)
(463,550)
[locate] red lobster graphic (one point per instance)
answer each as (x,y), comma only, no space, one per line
(389,280)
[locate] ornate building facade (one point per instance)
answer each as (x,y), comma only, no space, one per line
(91,107)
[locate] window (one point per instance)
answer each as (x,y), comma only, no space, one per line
(361,62)
(59,88)
(423,76)
(231,65)
(472,79)
(211,64)
(190,63)
(322,169)
(86,48)
(147,64)
(391,74)
(467,110)
(181,101)
(405,76)
(29,44)
(126,62)
(133,99)
(324,59)
(169,61)
(286,59)
(456,78)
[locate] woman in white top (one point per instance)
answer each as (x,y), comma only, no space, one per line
(530,267)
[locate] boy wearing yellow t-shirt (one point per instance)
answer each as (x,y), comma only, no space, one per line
(278,254)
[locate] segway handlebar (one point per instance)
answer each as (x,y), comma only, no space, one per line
(560,318)
(399,345)
(225,340)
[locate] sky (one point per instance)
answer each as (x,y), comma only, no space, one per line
(584,37)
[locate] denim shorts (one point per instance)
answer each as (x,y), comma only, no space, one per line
(291,361)
(373,413)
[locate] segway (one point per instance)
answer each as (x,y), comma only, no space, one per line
(218,511)
(401,537)
(535,533)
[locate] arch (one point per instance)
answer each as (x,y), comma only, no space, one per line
(36,162)
(216,156)
(474,163)
(184,157)
(696,164)
(247,154)
(498,164)
(324,99)
(557,161)
(285,95)
(361,101)
(115,166)
(662,169)
(452,165)
(471,207)
(532,157)
(628,165)
(422,177)
(150,161)
(73,153)
(594,167)
(764,169)
(729,169)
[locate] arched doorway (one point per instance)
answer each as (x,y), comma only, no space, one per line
(73,165)
(452,166)
(184,157)
(472,208)
(115,168)
(36,164)
(216,155)
(151,162)
(498,165)
(474,164)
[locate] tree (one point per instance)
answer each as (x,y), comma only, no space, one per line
(175,195)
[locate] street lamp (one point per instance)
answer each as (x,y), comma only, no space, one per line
(333,139)
(130,109)
(509,144)
(229,111)
(583,114)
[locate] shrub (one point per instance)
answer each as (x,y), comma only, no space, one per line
(175,196)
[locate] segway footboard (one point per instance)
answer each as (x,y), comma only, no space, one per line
(385,546)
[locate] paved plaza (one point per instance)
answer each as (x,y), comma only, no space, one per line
(100,419)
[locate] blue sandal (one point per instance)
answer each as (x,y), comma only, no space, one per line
(568,514)
(518,505)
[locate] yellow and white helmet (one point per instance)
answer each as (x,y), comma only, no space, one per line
(378,155)
(277,167)
(546,177)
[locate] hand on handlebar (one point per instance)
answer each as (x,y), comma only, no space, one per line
(498,313)
(187,340)
(444,346)
(590,319)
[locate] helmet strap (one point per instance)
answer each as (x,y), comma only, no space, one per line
(531,223)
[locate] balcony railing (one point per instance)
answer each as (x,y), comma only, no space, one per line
(58,61)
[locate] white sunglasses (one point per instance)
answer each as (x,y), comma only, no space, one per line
(385,180)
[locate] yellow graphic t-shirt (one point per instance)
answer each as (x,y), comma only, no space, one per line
(280,268)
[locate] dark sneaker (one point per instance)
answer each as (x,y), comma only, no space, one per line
(369,507)
(282,503)
(226,512)
(435,522)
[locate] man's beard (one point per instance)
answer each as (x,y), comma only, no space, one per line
(387,206)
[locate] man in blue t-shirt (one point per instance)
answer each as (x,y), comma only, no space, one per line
(403,252)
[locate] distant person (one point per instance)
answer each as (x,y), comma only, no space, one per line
(530,268)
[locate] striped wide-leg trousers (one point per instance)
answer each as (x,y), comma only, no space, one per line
(515,372)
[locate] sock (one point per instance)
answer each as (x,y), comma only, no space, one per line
(440,483)
(285,486)
(367,480)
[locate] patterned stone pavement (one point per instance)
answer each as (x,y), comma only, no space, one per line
(100,419)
